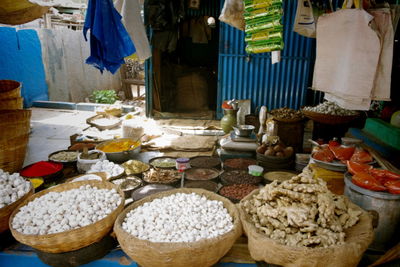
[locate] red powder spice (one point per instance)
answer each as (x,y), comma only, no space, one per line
(41,168)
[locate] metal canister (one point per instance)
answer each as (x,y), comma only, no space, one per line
(385,209)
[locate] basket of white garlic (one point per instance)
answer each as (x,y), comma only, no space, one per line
(299,222)
(14,189)
(67,217)
(330,113)
(180,227)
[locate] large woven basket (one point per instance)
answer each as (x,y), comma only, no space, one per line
(203,253)
(6,211)
(73,239)
(9,89)
(328,119)
(12,103)
(15,126)
(265,249)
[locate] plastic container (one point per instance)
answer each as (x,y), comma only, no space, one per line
(182,164)
(255,170)
(83,165)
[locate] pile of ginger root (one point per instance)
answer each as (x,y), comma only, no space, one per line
(301,212)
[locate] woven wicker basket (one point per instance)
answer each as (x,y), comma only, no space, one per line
(205,252)
(73,239)
(15,126)
(9,89)
(265,249)
(12,103)
(6,211)
(328,119)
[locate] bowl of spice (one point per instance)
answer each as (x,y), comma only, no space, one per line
(48,170)
(129,185)
(238,163)
(149,189)
(239,177)
(135,167)
(207,185)
(163,162)
(162,176)
(205,162)
(66,157)
(202,174)
(236,192)
(120,150)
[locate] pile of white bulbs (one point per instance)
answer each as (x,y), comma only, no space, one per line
(178,218)
(108,167)
(12,188)
(57,212)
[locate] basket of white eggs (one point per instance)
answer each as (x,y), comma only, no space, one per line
(180,227)
(67,217)
(14,189)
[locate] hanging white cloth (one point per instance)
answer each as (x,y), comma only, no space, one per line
(132,20)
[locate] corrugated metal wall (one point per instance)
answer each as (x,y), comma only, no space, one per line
(254,77)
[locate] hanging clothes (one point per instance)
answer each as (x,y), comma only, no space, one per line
(132,19)
(109,41)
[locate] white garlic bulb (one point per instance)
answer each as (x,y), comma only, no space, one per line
(12,187)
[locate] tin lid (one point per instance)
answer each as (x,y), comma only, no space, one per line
(182,160)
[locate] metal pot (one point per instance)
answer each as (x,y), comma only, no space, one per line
(243,130)
(122,156)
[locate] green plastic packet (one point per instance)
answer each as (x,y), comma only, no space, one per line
(263,48)
(254,4)
(264,35)
(263,25)
(263,12)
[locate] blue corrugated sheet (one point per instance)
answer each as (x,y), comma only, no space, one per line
(243,76)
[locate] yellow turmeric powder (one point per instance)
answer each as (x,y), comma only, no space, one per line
(119,146)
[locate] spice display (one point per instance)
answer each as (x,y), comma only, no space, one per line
(207,185)
(87,177)
(178,218)
(64,156)
(110,168)
(275,149)
(119,146)
(130,183)
(161,176)
(239,177)
(301,212)
(163,162)
(367,177)
(12,188)
(41,168)
(237,191)
(36,182)
(287,113)
(135,167)
(240,163)
(205,162)
(57,212)
(264,29)
(201,174)
(331,108)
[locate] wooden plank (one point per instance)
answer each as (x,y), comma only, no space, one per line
(125,87)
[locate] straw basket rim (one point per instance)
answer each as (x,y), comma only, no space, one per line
(57,243)
(328,118)
(5,212)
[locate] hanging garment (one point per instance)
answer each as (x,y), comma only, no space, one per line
(109,41)
(384,28)
(132,19)
(348,52)
(199,30)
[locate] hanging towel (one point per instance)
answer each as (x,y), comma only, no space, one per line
(109,41)
(384,28)
(132,19)
(348,52)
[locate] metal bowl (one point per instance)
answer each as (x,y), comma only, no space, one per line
(122,156)
(243,130)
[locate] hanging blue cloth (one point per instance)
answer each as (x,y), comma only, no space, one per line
(109,41)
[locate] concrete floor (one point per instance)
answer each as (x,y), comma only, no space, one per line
(51,130)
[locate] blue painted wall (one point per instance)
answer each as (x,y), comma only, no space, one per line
(21,60)
(243,76)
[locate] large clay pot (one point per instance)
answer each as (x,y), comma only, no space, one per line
(229,120)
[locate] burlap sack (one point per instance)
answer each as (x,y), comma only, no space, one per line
(203,253)
(265,249)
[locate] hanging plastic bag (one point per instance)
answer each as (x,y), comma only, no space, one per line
(304,23)
(232,13)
